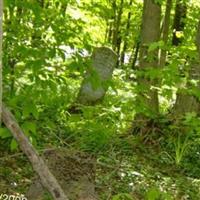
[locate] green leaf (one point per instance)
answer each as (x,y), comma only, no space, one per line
(52,84)
(33,141)
(29,109)
(153,194)
(13,145)
(155,45)
(5,133)
(29,128)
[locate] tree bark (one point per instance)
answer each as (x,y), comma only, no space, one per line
(179,23)
(135,53)
(148,97)
(126,33)
(117,24)
(117,39)
(1,52)
(47,179)
(197,41)
(165,32)
(188,102)
(95,83)
(111,23)
(114,19)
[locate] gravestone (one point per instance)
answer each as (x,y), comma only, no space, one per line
(97,77)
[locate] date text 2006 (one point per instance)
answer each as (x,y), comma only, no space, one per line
(12,197)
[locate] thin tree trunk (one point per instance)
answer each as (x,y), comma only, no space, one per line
(47,179)
(114,18)
(119,40)
(148,97)
(106,38)
(198,39)
(126,33)
(179,23)
(1,51)
(111,23)
(135,54)
(185,102)
(165,32)
(116,35)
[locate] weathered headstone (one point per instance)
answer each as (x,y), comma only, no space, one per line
(95,83)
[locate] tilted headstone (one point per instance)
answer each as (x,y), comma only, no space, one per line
(95,83)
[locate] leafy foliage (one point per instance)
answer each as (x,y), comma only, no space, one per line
(47,45)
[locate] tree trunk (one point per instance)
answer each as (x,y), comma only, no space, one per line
(117,24)
(111,23)
(165,32)
(114,18)
(148,97)
(187,102)
(117,33)
(135,53)
(126,34)
(96,80)
(108,27)
(179,21)
(1,52)
(198,40)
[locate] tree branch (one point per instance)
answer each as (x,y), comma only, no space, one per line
(47,178)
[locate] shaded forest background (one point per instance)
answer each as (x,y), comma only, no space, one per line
(108,91)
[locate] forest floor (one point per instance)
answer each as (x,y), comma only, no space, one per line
(133,173)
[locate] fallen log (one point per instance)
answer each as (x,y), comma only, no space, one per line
(47,179)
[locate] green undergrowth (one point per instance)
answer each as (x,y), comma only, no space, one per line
(135,172)
(163,163)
